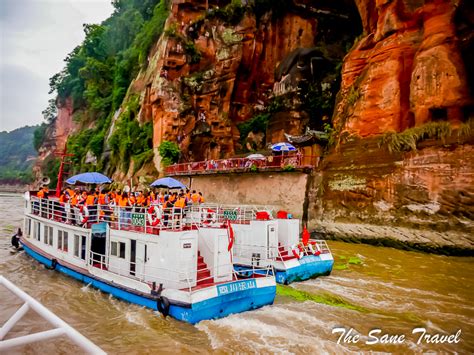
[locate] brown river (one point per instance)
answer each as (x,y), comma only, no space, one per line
(371,290)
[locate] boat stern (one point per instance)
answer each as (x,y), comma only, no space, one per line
(227,298)
(308,267)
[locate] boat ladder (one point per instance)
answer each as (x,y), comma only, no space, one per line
(61,327)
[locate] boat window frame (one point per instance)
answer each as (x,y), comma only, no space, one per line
(48,235)
(77,244)
(62,239)
(120,249)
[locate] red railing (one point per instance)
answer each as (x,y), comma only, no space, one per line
(284,162)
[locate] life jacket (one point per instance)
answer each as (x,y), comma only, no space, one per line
(201,199)
(74,200)
(181,203)
(133,200)
(141,200)
(118,197)
(123,202)
(102,199)
(188,196)
(63,198)
(90,200)
(40,193)
(195,198)
(172,198)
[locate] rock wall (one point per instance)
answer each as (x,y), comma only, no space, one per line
(56,135)
(407,70)
(199,102)
(281,191)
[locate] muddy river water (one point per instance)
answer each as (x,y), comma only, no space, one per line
(373,290)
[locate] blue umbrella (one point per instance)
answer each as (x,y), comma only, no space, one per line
(283,147)
(168,182)
(89,178)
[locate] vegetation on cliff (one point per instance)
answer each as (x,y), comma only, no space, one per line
(97,76)
(17,155)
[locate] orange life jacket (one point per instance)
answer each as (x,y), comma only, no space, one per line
(201,199)
(102,199)
(90,200)
(181,203)
(195,198)
(40,193)
(123,202)
(74,200)
(63,198)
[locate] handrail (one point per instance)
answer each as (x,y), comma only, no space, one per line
(62,328)
(244,164)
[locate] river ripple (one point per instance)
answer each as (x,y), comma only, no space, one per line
(390,289)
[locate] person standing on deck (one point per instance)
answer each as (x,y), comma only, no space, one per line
(195,197)
(201,198)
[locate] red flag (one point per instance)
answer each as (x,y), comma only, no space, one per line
(305,236)
(231,236)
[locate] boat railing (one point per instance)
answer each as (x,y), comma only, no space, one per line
(61,327)
(262,254)
(208,215)
(152,275)
(148,220)
(313,247)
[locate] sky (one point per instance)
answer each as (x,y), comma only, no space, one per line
(35,37)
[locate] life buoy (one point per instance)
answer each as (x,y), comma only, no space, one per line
(313,246)
(211,216)
(154,216)
(163,306)
(84,214)
(296,250)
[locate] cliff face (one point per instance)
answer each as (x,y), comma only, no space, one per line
(199,102)
(402,126)
(407,70)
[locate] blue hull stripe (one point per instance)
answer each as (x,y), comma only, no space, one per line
(212,308)
(310,266)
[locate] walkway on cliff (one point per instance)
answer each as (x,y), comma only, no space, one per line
(231,165)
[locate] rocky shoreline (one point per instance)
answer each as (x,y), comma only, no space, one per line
(445,243)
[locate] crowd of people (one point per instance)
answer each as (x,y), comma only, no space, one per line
(79,206)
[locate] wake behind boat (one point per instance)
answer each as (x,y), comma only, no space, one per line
(154,257)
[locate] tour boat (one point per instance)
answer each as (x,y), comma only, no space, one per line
(261,241)
(161,261)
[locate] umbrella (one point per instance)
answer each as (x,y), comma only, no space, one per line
(256,157)
(89,178)
(168,182)
(283,147)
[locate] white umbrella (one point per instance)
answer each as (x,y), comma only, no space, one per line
(256,157)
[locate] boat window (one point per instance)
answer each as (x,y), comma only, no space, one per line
(83,247)
(37,231)
(28,227)
(65,241)
(113,249)
(122,251)
(117,249)
(76,245)
(62,240)
(48,235)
